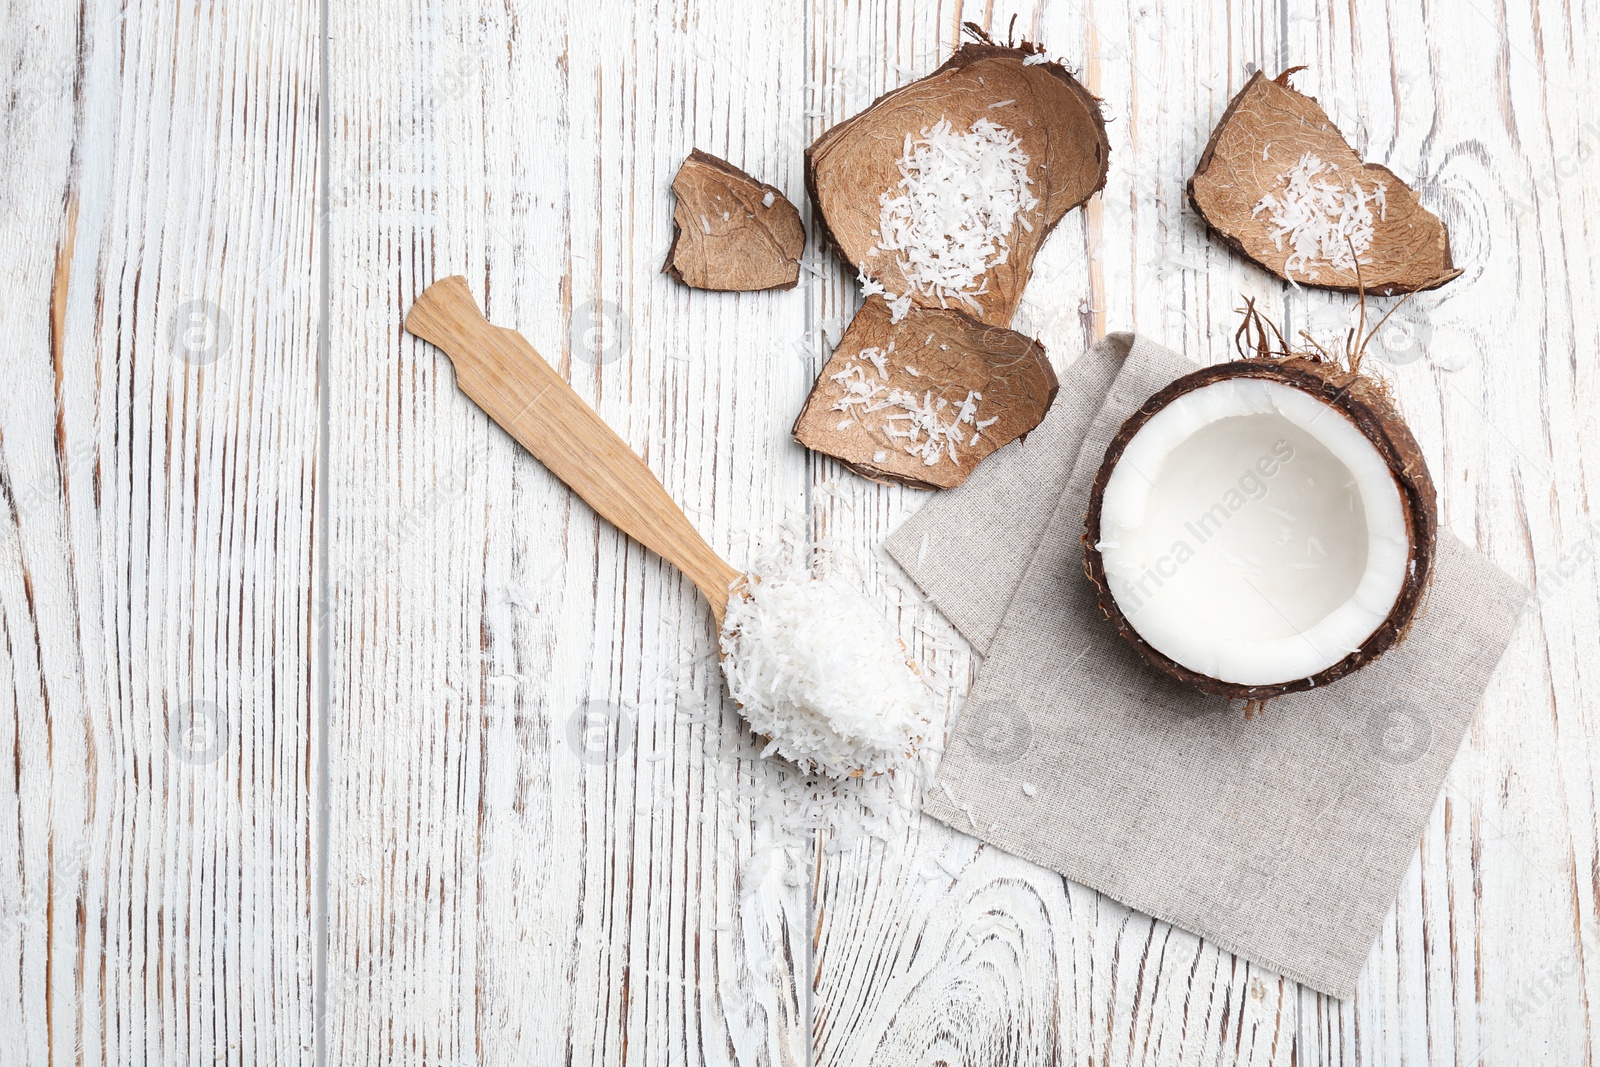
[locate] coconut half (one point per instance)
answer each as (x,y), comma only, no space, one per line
(1262,527)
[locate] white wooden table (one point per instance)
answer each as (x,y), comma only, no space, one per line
(300,655)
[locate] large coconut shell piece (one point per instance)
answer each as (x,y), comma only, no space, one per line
(1356,397)
(730,232)
(1056,119)
(952,355)
(1264,132)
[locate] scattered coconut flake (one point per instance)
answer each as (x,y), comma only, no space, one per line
(705,224)
(921,423)
(818,670)
(1035,59)
(950,217)
(769,199)
(880,457)
(1001,103)
(1323,219)
(1029,789)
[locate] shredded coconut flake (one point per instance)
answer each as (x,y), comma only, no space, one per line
(950,217)
(1323,218)
(927,427)
(768,200)
(818,670)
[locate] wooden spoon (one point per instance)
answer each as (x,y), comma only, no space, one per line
(500,371)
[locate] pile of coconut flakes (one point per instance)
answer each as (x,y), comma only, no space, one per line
(1326,221)
(950,218)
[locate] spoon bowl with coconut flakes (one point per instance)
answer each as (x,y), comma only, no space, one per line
(815,667)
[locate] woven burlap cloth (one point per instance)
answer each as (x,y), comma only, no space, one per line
(1281,837)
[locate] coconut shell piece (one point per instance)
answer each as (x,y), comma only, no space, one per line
(953,354)
(1056,119)
(1264,132)
(1362,400)
(730,232)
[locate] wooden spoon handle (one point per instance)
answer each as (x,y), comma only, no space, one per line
(500,371)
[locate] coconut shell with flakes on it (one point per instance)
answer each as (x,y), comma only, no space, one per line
(1056,119)
(1351,395)
(1265,131)
(935,355)
(732,233)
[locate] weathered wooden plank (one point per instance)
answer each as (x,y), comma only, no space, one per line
(1493,931)
(929,947)
(158,446)
(1442,986)
(507,884)
(549,840)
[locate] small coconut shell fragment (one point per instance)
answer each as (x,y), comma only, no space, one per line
(1264,132)
(731,232)
(1056,119)
(937,355)
(1363,401)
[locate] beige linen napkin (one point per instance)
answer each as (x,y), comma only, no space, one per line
(1282,837)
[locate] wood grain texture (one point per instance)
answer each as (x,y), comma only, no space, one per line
(547,842)
(1442,986)
(547,839)
(158,445)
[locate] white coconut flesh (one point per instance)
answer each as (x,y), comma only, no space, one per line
(1253,533)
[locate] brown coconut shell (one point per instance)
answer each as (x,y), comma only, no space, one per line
(1410,247)
(953,354)
(1361,400)
(1056,119)
(725,236)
